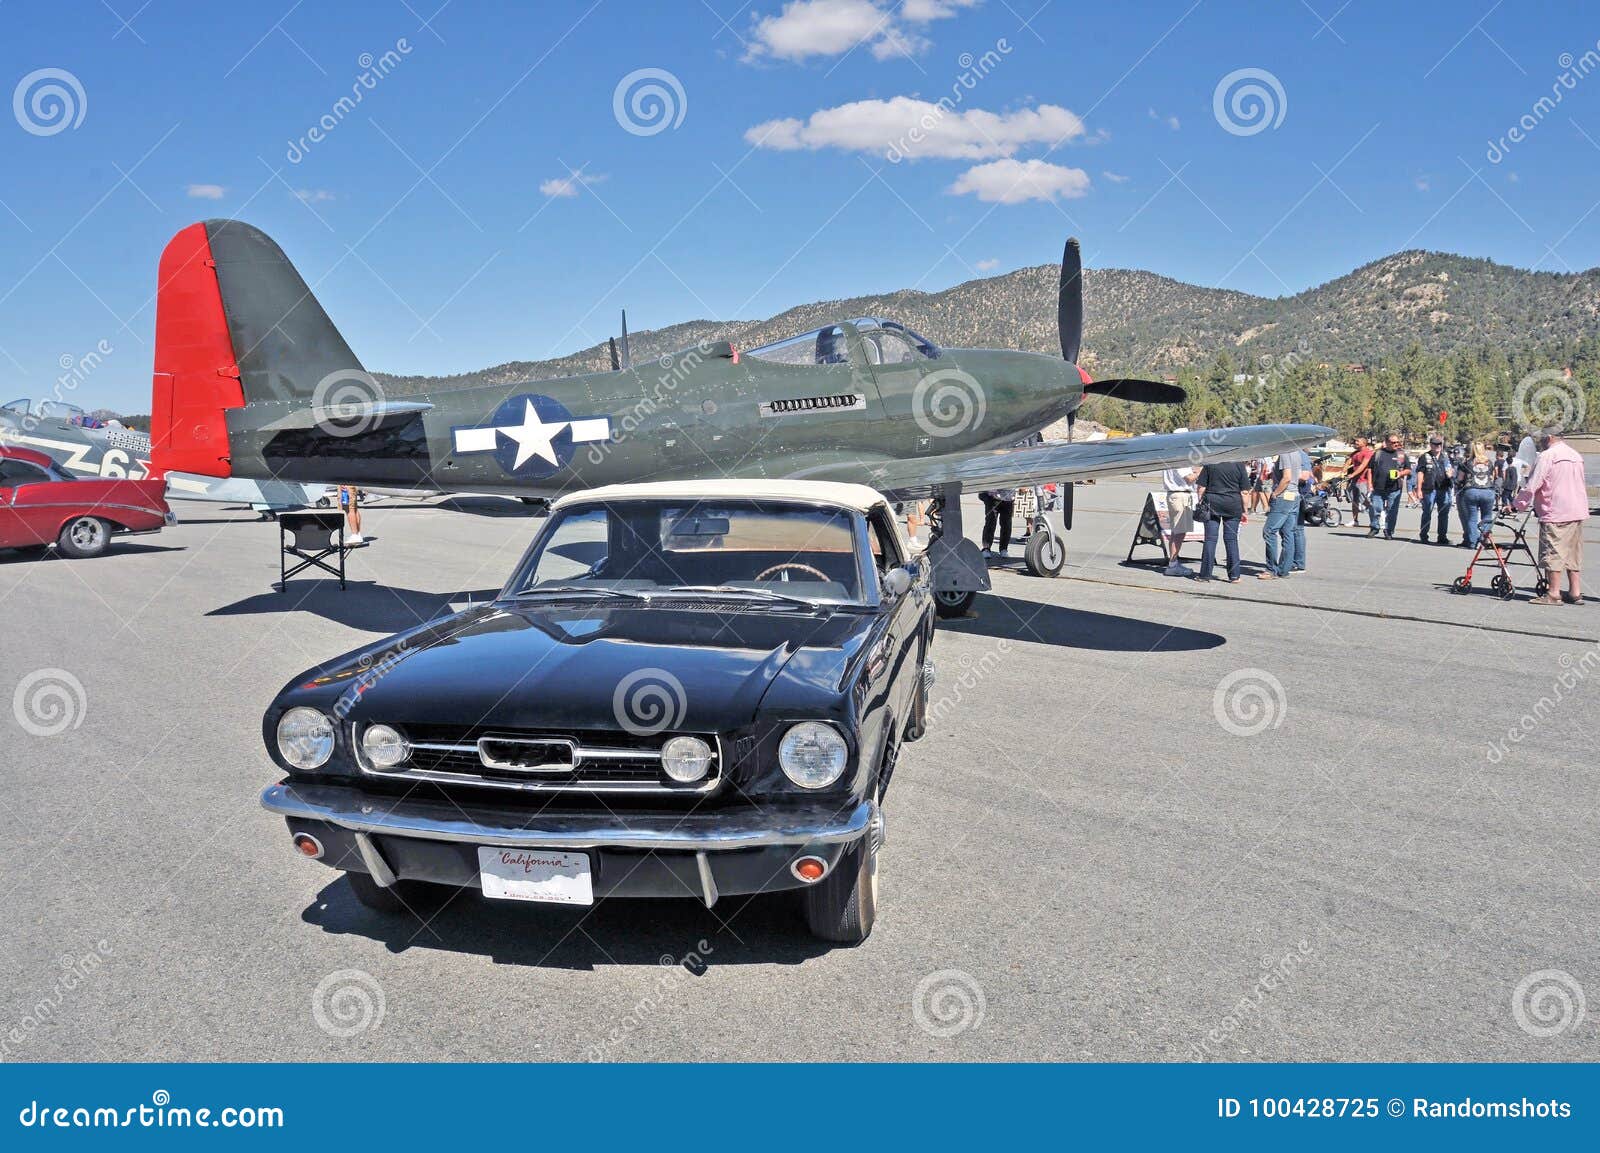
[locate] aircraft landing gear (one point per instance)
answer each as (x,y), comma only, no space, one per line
(952,603)
(1045,553)
(959,571)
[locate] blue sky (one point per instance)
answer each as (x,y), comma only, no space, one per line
(443,227)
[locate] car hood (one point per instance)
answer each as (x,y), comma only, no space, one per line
(588,666)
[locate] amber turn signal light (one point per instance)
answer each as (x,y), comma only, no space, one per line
(810,869)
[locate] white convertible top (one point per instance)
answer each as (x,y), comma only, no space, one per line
(852,496)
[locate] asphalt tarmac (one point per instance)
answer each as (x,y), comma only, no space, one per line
(1345,816)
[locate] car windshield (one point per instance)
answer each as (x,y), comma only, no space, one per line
(761,549)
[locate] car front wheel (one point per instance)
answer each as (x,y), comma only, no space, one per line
(85,536)
(843,905)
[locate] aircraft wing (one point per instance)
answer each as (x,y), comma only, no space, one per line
(1081,460)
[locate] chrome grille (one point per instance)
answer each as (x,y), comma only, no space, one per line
(593,762)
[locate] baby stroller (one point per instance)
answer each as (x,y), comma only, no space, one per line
(1316,509)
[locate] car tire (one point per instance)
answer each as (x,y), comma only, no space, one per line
(843,905)
(1045,554)
(917,724)
(85,536)
(403,897)
(950,604)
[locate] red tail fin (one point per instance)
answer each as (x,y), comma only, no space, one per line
(196,372)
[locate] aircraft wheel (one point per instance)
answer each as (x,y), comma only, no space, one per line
(1044,554)
(85,536)
(950,603)
(1461,585)
(1503,588)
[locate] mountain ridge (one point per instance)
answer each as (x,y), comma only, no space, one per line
(1143,323)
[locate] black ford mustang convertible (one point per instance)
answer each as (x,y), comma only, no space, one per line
(685,690)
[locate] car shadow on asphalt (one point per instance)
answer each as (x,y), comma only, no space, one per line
(115,549)
(761,930)
(1024,620)
(364,605)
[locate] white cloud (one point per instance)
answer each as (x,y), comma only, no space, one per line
(987,265)
(1422,184)
(313,195)
(571,184)
(806,28)
(1014,181)
(921,11)
(918,128)
(1170,121)
(1115,177)
(899,42)
(207,191)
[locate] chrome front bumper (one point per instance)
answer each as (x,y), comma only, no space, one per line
(745,828)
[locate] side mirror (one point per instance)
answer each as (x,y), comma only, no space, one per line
(897,581)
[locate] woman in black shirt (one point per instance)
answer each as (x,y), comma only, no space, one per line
(1219,492)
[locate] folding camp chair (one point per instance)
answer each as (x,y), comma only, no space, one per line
(317,535)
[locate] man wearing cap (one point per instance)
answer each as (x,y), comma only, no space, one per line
(1561,503)
(1391,466)
(1435,486)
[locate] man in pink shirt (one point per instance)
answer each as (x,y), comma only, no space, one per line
(1561,503)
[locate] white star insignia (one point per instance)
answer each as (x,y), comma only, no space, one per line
(533,437)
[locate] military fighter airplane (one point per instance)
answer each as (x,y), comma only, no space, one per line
(253,380)
(85,447)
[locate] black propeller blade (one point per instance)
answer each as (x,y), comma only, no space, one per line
(1142,391)
(627,357)
(1069,301)
(616,365)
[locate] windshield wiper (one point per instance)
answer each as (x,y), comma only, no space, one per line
(739,590)
(581,590)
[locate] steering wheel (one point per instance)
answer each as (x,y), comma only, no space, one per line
(805,568)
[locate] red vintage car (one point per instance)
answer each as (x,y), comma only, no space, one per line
(41,505)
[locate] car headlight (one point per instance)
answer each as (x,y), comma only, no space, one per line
(812,754)
(685,759)
(305,738)
(384,747)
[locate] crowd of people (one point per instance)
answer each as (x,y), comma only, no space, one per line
(1480,482)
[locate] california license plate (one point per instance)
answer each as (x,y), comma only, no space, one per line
(535,875)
